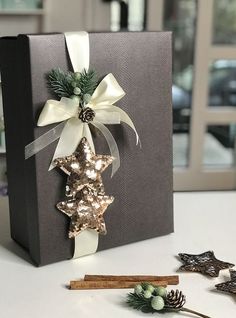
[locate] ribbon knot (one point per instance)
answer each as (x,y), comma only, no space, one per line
(75,121)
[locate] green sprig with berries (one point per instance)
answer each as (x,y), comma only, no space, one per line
(149,298)
(79,85)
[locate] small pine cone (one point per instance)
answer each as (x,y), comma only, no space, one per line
(175,299)
(87,114)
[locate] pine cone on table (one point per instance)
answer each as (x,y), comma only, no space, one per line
(175,300)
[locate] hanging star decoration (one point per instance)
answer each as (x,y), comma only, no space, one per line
(85,105)
(84,169)
(87,200)
(229,286)
(205,263)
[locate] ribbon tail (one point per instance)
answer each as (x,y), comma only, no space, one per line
(124,117)
(88,135)
(107,117)
(43,141)
(69,140)
(111,144)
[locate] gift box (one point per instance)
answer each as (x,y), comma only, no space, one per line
(142,187)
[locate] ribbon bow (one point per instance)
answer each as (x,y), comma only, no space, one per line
(72,128)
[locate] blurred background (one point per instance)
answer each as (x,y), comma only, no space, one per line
(204,72)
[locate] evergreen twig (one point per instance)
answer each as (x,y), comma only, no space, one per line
(139,302)
(62,84)
(87,82)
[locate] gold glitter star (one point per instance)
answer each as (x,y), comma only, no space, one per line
(84,169)
(229,286)
(86,212)
(205,263)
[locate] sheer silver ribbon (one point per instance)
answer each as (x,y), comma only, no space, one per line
(72,129)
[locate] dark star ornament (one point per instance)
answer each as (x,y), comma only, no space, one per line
(205,263)
(229,286)
(84,169)
(86,212)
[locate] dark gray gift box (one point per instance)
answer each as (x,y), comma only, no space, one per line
(142,65)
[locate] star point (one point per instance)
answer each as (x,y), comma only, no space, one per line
(86,212)
(229,286)
(87,200)
(205,263)
(84,168)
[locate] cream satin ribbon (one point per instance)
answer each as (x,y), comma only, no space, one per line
(67,109)
(71,129)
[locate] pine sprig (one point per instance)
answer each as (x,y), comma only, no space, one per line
(60,83)
(69,84)
(139,302)
(87,82)
(149,298)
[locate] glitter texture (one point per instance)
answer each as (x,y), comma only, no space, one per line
(87,200)
(205,263)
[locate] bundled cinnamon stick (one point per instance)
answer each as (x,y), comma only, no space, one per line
(171,280)
(117,281)
(81,284)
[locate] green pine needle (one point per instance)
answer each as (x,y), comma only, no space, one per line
(62,84)
(139,302)
(87,82)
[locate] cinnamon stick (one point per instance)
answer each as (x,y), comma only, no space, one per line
(171,280)
(81,284)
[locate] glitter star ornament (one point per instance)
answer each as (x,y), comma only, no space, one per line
(229,286)
(85,189)
(205,263)
(86,212)
(84,169)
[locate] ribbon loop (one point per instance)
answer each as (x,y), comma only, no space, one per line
(107,93)
(56,111)
(67,110)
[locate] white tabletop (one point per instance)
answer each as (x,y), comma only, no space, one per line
(203,221)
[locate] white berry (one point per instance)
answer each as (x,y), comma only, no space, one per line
(161,291)
(77,90)
(157,303)
(138,289)
(77,75)
(147,294)
(150,288)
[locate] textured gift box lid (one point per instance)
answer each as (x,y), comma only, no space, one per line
(142,64)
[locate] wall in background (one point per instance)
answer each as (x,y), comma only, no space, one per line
(88,15)
(57,16)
